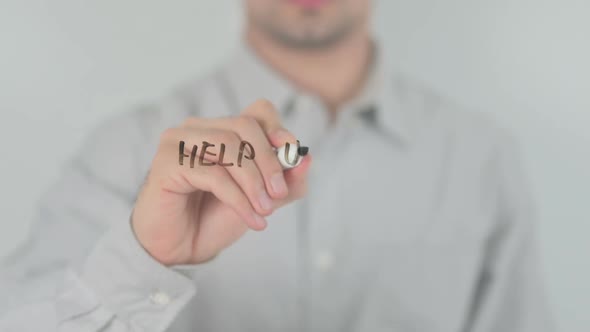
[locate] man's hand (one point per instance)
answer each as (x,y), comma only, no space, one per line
(188,215)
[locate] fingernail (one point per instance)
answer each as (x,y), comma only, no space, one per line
(265,201)
(259,220)
(278,184)
(282,135)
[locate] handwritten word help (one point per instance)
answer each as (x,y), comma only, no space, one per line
(242,153)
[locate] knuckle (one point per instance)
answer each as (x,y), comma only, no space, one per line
(264,104)
(263,108)
(216,179)
(246,122)
(168,134)
(190,122)
(225,136)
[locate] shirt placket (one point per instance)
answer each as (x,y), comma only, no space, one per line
(308,121)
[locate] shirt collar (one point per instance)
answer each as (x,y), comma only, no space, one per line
(250,79)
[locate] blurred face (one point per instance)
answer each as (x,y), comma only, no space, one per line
(308,23)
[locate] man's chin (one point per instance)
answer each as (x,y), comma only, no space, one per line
(309,4)
(310,37)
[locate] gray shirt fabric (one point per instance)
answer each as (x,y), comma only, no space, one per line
(417,219)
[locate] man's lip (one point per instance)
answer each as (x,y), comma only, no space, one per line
(309,3)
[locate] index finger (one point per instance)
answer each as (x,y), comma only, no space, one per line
(265,113)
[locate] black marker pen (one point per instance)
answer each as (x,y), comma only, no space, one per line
(290,156)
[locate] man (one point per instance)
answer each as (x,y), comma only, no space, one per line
(413,217)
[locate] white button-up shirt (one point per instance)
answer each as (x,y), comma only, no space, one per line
(417,219)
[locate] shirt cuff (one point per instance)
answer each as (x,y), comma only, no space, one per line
(130,283)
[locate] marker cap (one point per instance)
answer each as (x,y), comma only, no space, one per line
(291,155)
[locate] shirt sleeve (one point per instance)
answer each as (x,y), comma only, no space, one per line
(81,267)
(511,293)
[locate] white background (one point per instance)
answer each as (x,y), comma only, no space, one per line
(67,64)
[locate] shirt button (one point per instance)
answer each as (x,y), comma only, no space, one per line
(324,260)
(160,298)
